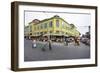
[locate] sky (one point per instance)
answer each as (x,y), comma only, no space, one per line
(80,20)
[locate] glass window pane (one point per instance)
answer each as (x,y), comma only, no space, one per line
(50,24)
(57,23)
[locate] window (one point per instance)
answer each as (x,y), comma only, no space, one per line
(38,27)
(50,24)
(63,24)
(57,23)
(34,28)
(38,33)
(41,26)
(45,25)
(30,28)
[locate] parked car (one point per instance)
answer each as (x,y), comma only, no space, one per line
(85,41)
(88,42)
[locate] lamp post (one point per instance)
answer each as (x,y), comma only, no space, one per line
(49,41)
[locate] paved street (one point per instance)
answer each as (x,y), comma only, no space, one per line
(59,51)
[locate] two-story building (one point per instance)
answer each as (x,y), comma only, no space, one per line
(54,28)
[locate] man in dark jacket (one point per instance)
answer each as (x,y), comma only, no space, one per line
(66,40)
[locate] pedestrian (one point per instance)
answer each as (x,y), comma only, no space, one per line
(34,43)
(50,48)
(77,42)
(66,41)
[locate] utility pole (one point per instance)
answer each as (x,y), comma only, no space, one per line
(89,29)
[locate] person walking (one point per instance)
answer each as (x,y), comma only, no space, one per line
(34,43)
(50,47)
(66,41)
(77,41)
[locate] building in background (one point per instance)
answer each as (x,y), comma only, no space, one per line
(54,28)
(26,31)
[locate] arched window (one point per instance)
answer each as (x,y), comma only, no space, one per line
(50,23)
(30,28)
(63,24)
(45,25)
(41,26)
(57,23)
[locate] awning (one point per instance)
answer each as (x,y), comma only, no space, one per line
(52,34)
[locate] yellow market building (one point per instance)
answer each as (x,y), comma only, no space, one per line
(55,28)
